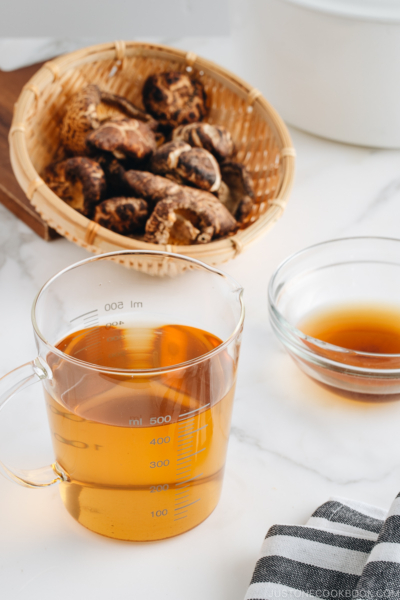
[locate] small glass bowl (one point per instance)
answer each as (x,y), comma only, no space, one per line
(363,270)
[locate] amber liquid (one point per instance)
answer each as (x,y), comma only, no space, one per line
(370,329)
(144,454)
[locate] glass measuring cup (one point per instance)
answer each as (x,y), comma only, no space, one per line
(140,452)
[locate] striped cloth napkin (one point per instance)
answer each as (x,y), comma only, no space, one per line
(347,550)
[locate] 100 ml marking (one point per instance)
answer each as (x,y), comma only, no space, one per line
(159,513)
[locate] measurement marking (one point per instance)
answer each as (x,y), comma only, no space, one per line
(86,347)
(181,478)
(84,314)
(185,418)
(185,495)
(185,429)
(178,503)
(188,421)
(193,431)
(194,454)
(185,448)
(193,411)
(200,474)
(94,333)
(190,504)
(180,518)
(94,338)
(182,472)
(91,322)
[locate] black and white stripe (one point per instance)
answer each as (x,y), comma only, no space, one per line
(381,575)
(346,550)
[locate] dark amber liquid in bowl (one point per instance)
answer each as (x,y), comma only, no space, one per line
(146,456)
(371,333)
(371,329)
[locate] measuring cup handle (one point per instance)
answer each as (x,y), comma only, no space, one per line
(15,381)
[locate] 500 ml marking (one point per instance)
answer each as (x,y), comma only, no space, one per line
(114,306)
(160,420)
(119,305)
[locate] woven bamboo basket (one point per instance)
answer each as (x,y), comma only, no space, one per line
(262,140)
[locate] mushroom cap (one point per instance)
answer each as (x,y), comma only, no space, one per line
(85,111)
(191,218)
(214,138)
(165,158)
(123,138)
(236,191)
(79,181)
(80,118)
(123,215)
(173,98)
(182,163)
(199,168)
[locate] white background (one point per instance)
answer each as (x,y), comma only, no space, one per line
(119,19)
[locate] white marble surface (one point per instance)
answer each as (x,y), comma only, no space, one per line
(292,444)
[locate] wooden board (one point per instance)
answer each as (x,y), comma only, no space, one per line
(11,195)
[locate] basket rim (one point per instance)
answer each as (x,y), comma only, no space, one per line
(32,184)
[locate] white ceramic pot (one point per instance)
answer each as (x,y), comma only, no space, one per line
(330,67)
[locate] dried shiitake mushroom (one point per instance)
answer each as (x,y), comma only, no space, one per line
(79,181)
(186,215)
(236,190)
(191,218)
(194,193)
(124,138)
(151,187)
(184,164)
(173,98)
(214,138)
(123,215)
(165,158)
(87,109)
